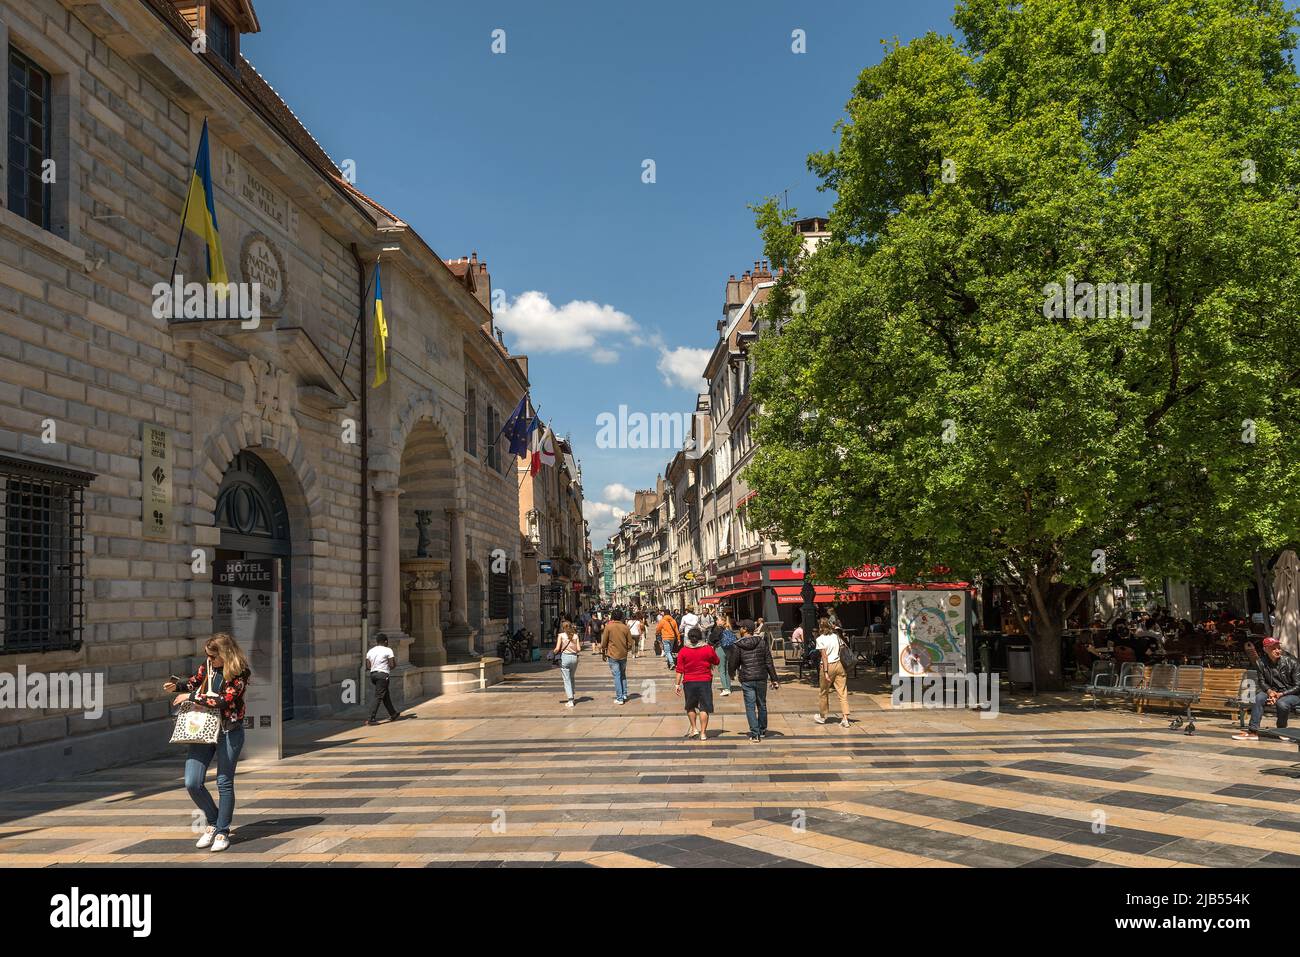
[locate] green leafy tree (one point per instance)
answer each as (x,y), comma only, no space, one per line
(929,398)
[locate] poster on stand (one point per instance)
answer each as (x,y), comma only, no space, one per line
(931,635)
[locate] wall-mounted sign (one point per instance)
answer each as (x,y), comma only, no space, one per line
(261,261)
(156,481)
(545,567)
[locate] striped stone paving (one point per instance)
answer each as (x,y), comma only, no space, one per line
(507,777)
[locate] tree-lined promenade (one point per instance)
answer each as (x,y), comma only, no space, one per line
(1054,338)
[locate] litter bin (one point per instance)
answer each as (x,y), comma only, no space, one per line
(1020,666)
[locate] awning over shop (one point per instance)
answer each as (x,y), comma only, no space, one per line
(826,594)
(708,599)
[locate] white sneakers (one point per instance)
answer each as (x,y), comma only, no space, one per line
(725,692)
(844,723)
(820,719)
(210,838)
(569,703)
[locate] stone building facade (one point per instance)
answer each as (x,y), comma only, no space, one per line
(557,574)
(259,429)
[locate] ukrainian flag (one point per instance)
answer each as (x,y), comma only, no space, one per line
(381,334)
(201,211)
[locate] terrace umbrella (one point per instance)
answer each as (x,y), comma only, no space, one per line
(1286,590)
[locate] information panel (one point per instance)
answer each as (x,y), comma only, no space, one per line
(246,604)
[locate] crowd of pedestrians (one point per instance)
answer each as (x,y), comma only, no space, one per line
(700,646)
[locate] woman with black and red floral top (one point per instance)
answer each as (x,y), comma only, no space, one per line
(230,674)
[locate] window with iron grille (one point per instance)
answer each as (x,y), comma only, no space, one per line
(40,556)
(29,138)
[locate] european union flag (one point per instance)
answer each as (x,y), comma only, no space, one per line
(518,427)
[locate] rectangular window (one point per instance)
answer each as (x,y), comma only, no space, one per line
(221,37)
(490,439)
(30,117)
(499,595)
(471,422)
(40,557)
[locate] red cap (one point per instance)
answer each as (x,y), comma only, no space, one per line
(1272,643)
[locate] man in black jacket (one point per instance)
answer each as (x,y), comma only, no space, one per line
(752,658)
(1279,683)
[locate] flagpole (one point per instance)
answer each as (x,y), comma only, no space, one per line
(180,236)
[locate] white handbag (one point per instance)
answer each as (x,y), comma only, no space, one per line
(197,723)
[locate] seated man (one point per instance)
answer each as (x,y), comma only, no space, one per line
(1279,685)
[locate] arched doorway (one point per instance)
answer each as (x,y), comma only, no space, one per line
(254,523)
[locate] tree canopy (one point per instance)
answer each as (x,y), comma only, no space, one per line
(967,374)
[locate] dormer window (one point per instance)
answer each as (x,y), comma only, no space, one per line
(221,36)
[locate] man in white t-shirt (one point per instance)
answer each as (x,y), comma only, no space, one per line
(831,674)
(689,621)
(379,662)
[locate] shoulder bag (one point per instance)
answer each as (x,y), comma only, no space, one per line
(198,723)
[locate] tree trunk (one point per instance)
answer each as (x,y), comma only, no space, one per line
(1048,621)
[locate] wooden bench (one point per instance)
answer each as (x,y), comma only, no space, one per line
(1222,692)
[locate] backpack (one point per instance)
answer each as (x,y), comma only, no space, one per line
(848,657)
(728,638)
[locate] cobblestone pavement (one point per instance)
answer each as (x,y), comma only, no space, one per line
(509,777)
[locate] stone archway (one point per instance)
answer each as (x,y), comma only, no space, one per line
(252,480)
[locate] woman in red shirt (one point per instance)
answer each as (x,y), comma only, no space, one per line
(695,664)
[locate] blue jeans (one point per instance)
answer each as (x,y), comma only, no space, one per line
(227,749)
(1284,706)
(569,672)
(668,651)
(618,668)
(722,668)
(755,693)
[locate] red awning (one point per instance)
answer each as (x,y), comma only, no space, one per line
(707,599)
(825,594)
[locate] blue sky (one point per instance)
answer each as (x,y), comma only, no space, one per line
(534,159)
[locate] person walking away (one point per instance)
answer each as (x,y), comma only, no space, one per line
(1279,680)
(220,682)
(615,645)
(695,666)
(724,637)
(567,647)
(688,621)
(751,657)
(637,628)
(831,674)
(379,664)
(668,635)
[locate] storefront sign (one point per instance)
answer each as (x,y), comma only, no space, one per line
(156,482)
(246,605)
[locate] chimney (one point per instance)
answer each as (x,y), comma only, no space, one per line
(474,257)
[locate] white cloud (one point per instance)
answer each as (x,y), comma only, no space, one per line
(604,519)
(538,325)
(683,367)
(618,492)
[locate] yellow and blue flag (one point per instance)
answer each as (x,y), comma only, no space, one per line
(381,335)
(200,215)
